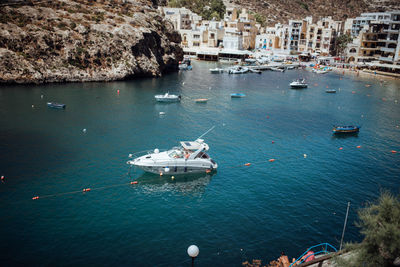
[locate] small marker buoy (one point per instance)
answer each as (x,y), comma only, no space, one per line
(84,130)
(36,197)
(394,151)
(353,92)
(134,182)
(162,113)
(305,155)
(86,190)
(340,148)
(247,164)
(161,174)
(41,96)
(271,160)
(183,83)
(327,86)
(118,91)
(172,177)
(358,146)
(33,106)
(273,142)
(267,117)
(383,99)
(2,177)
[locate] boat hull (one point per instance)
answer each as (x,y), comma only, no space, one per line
(298,86)
(173,169)
(337,130)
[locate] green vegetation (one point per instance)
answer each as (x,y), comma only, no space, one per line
(341,43)
(208,9)
(380,225)
(303,5)
(260,19)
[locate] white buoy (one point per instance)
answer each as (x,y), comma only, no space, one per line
(305,155)
(41,96)
(166,169)
(33,106)
(162,113)
(84,130)
(130,155)
(172,177)
(183,83)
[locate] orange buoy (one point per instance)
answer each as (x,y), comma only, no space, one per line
(208,171)
(2,177)
(247,164)
(271,160)
(86,189)
(394,151)
(134,182)
(327,86)
(118,91)
(161,174)
(358,146)
(340,148)
(273,142)
(34,198)
(267,117)
(353,92)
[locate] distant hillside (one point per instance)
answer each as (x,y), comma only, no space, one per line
(282,10)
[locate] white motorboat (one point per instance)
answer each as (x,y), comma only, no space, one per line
(238,70)
(217,71)
(320,71)
(299,84)
(189,157)
(167,98)
(278,69)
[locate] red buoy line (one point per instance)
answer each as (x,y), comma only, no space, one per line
(88,189)
(85,190)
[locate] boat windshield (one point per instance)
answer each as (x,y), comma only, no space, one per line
(175,154)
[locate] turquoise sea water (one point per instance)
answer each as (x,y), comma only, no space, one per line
(240,213)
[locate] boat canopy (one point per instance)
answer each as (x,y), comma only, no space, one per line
(194,145)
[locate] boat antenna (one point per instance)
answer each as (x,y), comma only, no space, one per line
(206,132)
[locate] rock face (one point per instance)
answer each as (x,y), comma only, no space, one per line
(68,41)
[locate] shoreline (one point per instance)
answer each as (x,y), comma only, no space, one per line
(363,73)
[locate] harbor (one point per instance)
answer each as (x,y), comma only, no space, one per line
(282,184)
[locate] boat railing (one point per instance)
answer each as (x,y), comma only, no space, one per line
(323,249)
(147,152)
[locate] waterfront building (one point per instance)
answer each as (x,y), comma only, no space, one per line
(364,19)
(378,41)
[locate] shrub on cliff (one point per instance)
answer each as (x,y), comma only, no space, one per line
(380,225)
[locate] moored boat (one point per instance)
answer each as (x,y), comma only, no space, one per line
(331,91)
(216,70)
(346,129)
(278,69)
(238,70)
(299,83)
(255,71)
(189,157)
(56,105)
(237,95)
(167,98)
(201,100)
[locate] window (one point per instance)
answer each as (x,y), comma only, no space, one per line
(196,36)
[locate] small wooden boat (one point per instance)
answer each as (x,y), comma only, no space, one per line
(237,95)
(201,100)
(331,91)
(346,129)
(56,105)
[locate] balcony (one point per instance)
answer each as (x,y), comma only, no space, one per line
(391,30)
(388,50)
(389,59)
(387,40)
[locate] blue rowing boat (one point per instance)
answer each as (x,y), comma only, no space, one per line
(56,105)
(237,95)
(346,129)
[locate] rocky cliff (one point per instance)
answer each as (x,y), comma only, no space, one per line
(77,40)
